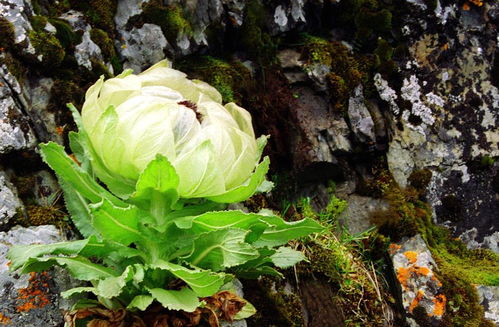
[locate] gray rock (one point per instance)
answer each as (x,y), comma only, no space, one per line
(15,132)
(9,202)
(360,118)
(326,133)
(87,50)
(127,9)
(356,216)
(414,268)
(489,299)
(17,12)
(235,10)
(143,47)
(31,300)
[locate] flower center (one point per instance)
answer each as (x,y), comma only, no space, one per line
(191,105)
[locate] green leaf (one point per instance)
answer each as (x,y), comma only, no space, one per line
(66,169)
(113,286)
(185,299)
(20,254)
(286,257)
(140,302)
(79,210)
(117,224)
(204,283)
(156,188)
(77,290)
(244,192)
(285,231)
(81,268)
(221,249)
(247,311)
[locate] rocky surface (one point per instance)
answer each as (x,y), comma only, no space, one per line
(31,300)
(358,93)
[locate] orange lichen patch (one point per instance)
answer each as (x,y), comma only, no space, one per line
(466,6)
(394,248)
(403,275)
(477,3)
(439,305)
(4,320)
(36,294)
(411,256)
(445,47)
(416,300)
(439,283)
(421,270)
(60,130)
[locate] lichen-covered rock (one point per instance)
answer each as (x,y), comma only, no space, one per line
(447,108)
(415,270)
(10,204)
(489,299)
(31,300)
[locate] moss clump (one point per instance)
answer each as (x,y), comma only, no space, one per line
(62,93)
(170,18)
(99,12)
(254,37)
(104,42)
(346,71)
(15,67)
(419,179)
(48,46)
(50,8)
(229,78)
(7,33)
(65,34)
(44,215)
(38,22)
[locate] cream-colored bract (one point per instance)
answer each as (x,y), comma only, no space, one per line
(131,118)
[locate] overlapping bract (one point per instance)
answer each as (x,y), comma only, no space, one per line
(130,119)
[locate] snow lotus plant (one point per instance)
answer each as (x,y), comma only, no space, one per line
(171,155)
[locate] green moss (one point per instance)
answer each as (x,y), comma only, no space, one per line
(383,51)
(104,42)
(15,67)
(253,36)
(38,22)
(99,12)
(229,78)
(62,93)
(170,18)
(65,34)
(347,71)
(337,255)
(276,306)
(117,65)
(48,46)
(44,215)
(7,33)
